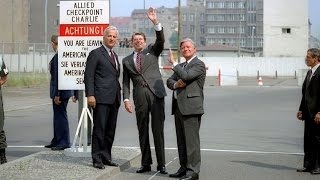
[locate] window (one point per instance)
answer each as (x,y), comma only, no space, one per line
(211,30)
(220,30)
(192,29)
(202,31)
(184,17)
(184,28)
(191,17)
(210,5)
(202,17)
(260,43)
(286,30)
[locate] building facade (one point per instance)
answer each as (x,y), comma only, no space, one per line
(286,30)
(14,24)
(237,23)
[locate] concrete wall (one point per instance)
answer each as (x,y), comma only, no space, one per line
(292,14)
(14,21)
(245,66)
(249,66)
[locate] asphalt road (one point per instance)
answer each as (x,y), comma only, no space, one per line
(248,132)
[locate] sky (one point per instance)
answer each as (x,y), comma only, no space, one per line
(314,16)
(125,7)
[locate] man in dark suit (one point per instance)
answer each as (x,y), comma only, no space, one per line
(309,112)
(102,85)
(3,142)
(60,99)
(142,68)
(187,106)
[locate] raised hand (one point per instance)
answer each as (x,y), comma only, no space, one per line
(152,15)
(171,57)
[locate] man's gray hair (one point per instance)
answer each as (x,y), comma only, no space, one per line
(188,40)
(110,28)
(315,53)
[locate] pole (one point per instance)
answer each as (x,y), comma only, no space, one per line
(45,22)
(239,35)
(179,29)
(252,33)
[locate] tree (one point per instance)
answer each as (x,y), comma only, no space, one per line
(174,40)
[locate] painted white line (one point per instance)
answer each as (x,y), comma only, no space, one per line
(254,152)
(25,107)
(206,150)
(26,146)
(165,165)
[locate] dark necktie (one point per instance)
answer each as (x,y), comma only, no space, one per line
(138,61)
(185,65)
(309,76)
(113,60)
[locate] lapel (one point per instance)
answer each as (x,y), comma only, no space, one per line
(106,55)
(143,59)
(194,60)
(315,74)
(131,62)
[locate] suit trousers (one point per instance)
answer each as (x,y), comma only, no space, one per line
(3,142)
(146,103)
(104,128)
(311,143)
(61,136)
(188,139)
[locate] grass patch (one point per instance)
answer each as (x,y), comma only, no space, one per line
(27,79)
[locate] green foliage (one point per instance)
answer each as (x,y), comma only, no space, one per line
(27,79)
(174,40)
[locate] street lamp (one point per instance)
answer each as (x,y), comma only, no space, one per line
(252,33)
(46,22)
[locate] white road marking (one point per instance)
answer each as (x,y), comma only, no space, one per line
(206,150)
(25,107)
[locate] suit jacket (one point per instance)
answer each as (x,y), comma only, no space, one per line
(54,91)
(190,98)
(149,70)
(101,77)
(310,102)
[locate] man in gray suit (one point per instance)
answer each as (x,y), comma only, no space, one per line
(142,68)
(187,106)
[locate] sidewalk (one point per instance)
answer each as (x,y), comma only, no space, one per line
(57,165)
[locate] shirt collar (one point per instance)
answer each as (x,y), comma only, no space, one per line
(108,49)
(315,68)
(190,59)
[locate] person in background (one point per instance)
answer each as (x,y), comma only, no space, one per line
(142,68)
(60,99)
(309,112)
(3,144)
(187,84)
(102,90)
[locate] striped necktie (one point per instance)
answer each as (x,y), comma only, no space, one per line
(138,61)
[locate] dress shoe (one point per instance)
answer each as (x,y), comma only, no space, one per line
(49,146)
(315,171)
(98,165)
(181,172)
(194,176)
(143,169)
(162,169)
(58,148)
(109,163)
(304,169)
(3,158)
